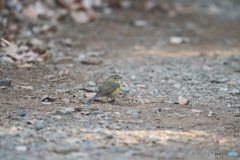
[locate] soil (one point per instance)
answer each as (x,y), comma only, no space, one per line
(146,121)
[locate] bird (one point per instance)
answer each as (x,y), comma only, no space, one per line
(110,88)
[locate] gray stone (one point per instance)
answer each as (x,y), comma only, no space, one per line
(21,112)
(39,125)
(235,91)
(221,129)
(5,82)
(132,93)
(40,117)
(62,112)
(66,100)
(70,109)
(177,85)
(167,109)
(80,108)
(57,117)
(91,84)
(80,87)
(132,112)
(125,90)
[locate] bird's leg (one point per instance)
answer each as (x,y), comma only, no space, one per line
(107,100)
(113,100)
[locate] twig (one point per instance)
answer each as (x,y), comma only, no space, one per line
(4,40)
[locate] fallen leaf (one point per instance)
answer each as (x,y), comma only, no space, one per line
(231,83)
(3,87)
(30,12)
(70,65)
(25,66)
(128,140)
(11,51)
(195,111)
(60,73)
(66,72)
(80,16)
(182,100)
(92,61)
(26,87)
(68,42)
(13,27)
(95,54)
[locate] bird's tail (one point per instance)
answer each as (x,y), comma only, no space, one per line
(90,100)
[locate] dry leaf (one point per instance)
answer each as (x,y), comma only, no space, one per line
(182,100)
(128,140)
(3,87)
(11,51)
(30,12)
(70,65)
(26,87)
(231,83)
(60,73)
(93,61)
(25,66)
(195,111)
(68,42)
(66,72)
(80,17)
(95,54)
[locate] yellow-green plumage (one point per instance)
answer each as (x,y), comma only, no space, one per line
(110,88)
(114,93)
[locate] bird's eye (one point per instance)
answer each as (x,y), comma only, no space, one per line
(115,78)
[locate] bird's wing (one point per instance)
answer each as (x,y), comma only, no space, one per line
(107,88)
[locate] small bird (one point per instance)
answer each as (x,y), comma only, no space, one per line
(110,88)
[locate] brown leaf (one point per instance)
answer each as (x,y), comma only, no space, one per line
(60,73)
(93,61)
(70,4)
(11,51)
(182,100)
(231,83)
(13,27)
(68,42)
(79,16)
(128,141)
(26,87)
(95,54)
(66,72)
(3,87)
(30,12)
(195,111)
(25,66)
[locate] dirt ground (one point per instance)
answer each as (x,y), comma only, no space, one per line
(146,121)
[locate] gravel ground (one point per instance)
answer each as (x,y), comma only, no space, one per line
(147,121)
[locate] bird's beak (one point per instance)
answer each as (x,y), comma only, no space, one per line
(121,77)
